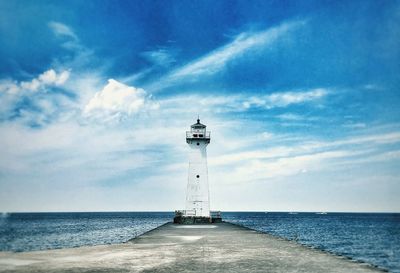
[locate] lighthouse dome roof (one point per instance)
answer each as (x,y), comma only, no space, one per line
(198,125)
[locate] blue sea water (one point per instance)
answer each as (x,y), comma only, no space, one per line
(38,231)
(368,237)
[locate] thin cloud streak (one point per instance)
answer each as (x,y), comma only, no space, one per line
(265,166)
(239,103)
(360,145)
(216,60)
(61,29)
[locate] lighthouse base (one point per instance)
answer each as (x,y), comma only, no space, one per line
(181,218)
(191,220)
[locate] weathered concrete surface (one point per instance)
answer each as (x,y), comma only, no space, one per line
(218,247)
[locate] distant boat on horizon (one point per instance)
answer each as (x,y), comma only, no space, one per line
(321,212)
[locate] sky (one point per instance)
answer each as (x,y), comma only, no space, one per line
(301,98)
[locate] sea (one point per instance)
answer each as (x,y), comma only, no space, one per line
(367,237)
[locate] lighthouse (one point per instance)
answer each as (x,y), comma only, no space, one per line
(197,193)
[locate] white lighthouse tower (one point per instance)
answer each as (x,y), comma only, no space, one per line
(197,194)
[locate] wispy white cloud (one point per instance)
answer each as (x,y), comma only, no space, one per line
(293,159)
(79,55)
(160,57)
(355,125)
(242,43)
(283,99)
(288,166)
(290,116)
(360,145)
(136,76)
(84,153)
(242,102)
(62,30)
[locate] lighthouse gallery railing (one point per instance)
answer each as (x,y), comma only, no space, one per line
(194,134)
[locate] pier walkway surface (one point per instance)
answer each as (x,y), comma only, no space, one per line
(221,247)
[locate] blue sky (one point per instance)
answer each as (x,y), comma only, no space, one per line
(301,98)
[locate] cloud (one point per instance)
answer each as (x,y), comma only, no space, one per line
(51,77)
(301,157)
(291,117)
(116,101)
(355,125)
(357,145)
(161,57)
(62,30)
(284,99)
(242,102)
(47,78)
(288,166)
(217,59)
(36,101)
(81,55)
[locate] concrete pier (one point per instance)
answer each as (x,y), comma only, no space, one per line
(220,247)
